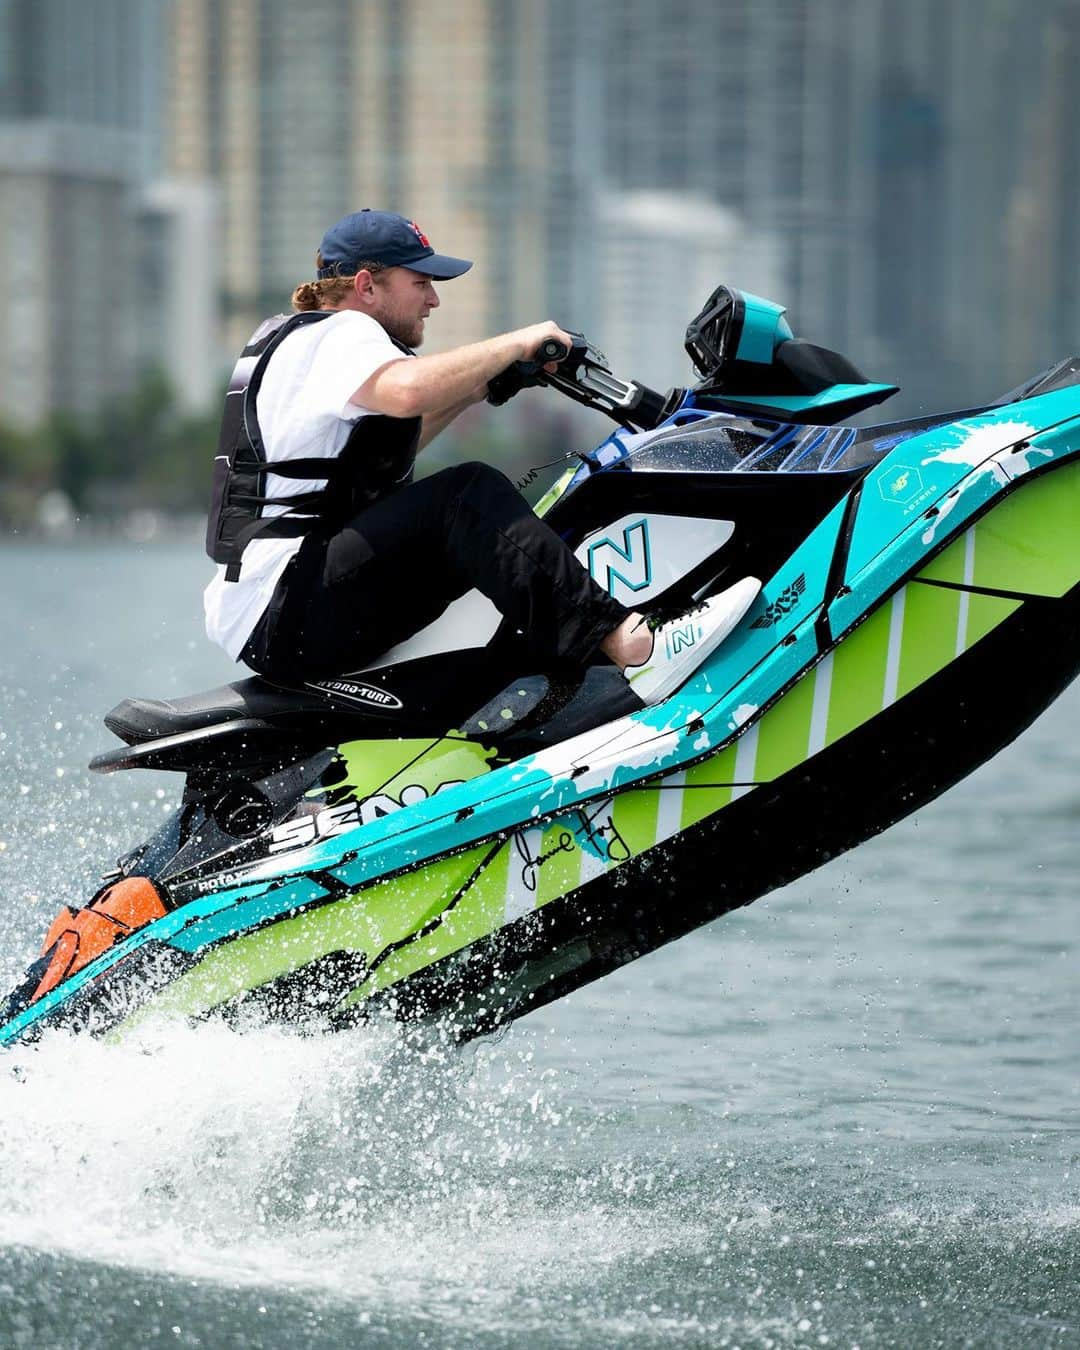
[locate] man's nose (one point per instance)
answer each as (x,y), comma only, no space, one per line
(433,297)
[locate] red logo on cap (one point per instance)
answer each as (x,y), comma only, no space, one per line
(419,234)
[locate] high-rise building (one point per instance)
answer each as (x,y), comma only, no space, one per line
(901,173)
(942,163)
(77,134)
(303,113)
(663,252)
(69,246)
(88,63)
(1038,292)
(179,314)
(887,149)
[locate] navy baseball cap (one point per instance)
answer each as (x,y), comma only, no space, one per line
(383,237)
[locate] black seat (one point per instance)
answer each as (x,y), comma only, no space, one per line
(417,697)
(136,720)
(253,723)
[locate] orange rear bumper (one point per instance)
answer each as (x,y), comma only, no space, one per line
(77,936)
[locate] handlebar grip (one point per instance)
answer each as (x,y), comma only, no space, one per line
(526,374)
(551,349)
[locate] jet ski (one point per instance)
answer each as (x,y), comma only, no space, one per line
(448,834)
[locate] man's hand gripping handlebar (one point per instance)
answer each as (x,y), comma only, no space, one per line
(581,372)
(536,371)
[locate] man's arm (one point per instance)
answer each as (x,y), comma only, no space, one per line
(432,385)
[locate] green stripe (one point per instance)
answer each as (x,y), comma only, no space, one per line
(701,797)
(948,565)
(931,615)
(391,765)
(858,675)
(367,922)
(784,732)
(555,491)
(1029,543)
(634,815)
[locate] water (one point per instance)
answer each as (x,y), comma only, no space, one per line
(845,1116)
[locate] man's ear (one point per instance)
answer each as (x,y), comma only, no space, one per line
(364,287)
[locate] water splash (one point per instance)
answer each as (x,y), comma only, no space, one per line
(372,1161)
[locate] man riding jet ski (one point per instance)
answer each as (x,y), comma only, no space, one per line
(459,830)
(330,554)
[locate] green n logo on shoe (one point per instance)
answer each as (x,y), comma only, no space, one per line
(681,638)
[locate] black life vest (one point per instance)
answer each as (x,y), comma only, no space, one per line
(377,458)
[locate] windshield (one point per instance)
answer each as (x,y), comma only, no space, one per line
(725,444)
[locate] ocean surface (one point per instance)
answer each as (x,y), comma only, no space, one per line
(845,1116)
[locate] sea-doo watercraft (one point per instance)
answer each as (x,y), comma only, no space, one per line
(449,833)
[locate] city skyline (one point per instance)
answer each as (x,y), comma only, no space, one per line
(606,165)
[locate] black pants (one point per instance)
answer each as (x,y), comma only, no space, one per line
(393,569)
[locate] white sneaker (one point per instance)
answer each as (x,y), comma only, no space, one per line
(681,644)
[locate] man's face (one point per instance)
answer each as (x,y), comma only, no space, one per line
(404,300)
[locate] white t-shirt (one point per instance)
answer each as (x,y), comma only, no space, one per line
(304,410)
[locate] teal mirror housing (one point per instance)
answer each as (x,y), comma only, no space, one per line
(743,348)
(764,328)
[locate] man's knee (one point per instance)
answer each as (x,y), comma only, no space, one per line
(479,482)
(484,475)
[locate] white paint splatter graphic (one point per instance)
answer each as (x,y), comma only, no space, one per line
(742,714)
(1016,463)
(978,443)
(950,503)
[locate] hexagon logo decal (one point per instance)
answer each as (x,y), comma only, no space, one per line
(901,484)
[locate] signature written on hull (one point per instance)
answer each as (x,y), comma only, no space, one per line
(591,831)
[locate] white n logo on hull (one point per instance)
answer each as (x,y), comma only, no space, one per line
(630,562)
(637,557)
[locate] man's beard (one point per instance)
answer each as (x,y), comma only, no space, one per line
(410,332)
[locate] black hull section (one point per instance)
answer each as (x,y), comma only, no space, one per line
(910,754)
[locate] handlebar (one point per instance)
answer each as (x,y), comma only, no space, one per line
(585,376)
(551,349)
(528,374)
